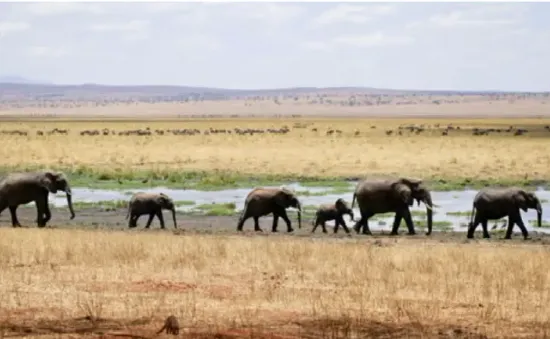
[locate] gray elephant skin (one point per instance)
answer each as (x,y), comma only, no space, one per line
(22,188)
(391,195)
(262,201)
(497,203)
(334,212)
(152,204)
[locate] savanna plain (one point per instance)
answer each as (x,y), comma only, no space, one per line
(99,281)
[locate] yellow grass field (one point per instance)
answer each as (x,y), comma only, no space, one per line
(305,150)
(241,287)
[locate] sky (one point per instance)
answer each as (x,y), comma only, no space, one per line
(431,46)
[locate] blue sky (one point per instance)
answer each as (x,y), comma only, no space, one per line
(455,46)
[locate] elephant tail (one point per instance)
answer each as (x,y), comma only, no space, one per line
(353,200)
(128,213)
(472,216)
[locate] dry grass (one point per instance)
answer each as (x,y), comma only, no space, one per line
(287,287)
(300,152)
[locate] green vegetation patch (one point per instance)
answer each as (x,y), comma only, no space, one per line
(83,176)
(224,209)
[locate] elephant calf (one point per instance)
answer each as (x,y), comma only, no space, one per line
(152,204)
(332,212)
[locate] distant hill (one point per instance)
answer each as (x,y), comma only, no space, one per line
(12,87)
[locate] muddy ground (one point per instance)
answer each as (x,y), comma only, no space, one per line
(114,219)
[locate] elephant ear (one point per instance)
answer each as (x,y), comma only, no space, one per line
(340,204)
(520,198)
(283,197)
(48,181)
(411,182)
(403,192)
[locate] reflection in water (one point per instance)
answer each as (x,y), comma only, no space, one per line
(451,201)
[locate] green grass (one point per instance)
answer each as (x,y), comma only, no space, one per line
(459,213)
(544,223)
(81,176)
(225,209)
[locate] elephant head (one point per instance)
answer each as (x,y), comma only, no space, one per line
(408,190)
(167,203)
(344,208)
(286,198)
(56,181)
(525,200)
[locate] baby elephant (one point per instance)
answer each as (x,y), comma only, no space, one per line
(152,204)
(332,212)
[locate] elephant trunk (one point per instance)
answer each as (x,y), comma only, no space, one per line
(299,215)
(69,194)
(429,212)
(539,214)
(174,216)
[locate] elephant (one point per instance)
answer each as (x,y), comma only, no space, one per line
(496,203)
(152,204)
(391,195)
(23,187)
(262,201)
(332,212)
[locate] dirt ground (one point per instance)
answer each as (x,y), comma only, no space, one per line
(114,219)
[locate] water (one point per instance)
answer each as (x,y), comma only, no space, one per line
(448,201)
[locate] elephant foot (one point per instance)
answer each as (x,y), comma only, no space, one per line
(258,230)
(411,233)
(392,233)
(486,237)
(290,230)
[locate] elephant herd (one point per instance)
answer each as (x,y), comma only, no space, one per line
(373,196)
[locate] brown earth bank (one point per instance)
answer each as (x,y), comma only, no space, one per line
(87,327)
(114,219)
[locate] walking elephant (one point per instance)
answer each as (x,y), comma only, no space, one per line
(262,201)
(22,188)
(496,203)
(152,204)
(332,212)
(391,195)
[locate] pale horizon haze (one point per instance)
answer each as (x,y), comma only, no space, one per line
(420,46)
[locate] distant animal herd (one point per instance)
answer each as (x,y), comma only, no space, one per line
(147,131)
(373,196)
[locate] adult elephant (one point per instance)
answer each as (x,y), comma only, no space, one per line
(265,200)
(22,188)
(496,203)
(391,195)
(149,203)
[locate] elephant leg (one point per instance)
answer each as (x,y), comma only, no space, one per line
(408,220)
(484,226)
(396,223)
(275,222)
(132,222)
(282,213)
(341,221)
(41,206)
(161,218)
(257,224)
(47,212)
(242,219)
(13,213)
(324,225)
(151,216)
(363,222)
(522,227)
(472,227)
(315,226)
